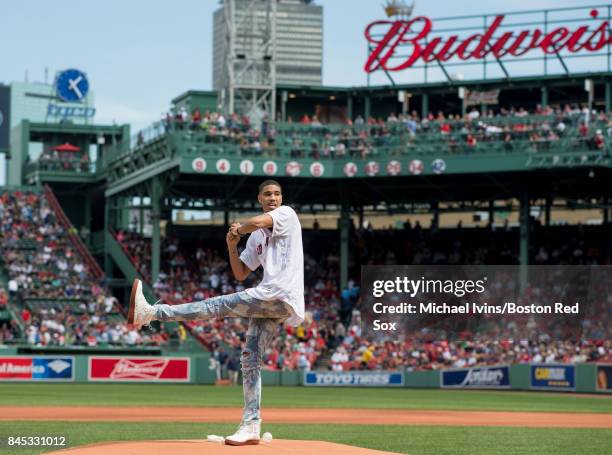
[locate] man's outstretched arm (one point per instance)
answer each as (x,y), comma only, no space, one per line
(239,268)
(252,224)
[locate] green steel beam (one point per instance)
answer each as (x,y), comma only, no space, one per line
(425,105)
(344,225)
(108,265)
(156,194)
(62,177)
(141,218)
(70,128)
(443,87)
(143,175)
(544,99)
(524,240)
(349,107)
(87,203)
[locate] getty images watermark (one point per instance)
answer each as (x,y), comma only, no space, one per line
(562,300)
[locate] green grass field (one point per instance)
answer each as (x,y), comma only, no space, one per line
(297,397)
(415,440)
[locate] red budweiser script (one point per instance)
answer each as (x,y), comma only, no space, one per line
(139,369)
(414,34)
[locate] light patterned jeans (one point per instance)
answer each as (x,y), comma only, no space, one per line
(264,319)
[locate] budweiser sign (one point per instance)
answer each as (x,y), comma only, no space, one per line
(414,38)
(150,369)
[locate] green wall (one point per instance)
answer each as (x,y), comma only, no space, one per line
(202,374)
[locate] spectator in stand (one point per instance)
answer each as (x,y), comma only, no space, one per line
(3,299)
(13,288)
(471,142)
(473,114)
(233,366)
(196,119)
(598,141)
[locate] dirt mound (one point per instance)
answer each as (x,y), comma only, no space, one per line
(203,447)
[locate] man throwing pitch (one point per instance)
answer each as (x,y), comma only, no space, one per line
(275,244)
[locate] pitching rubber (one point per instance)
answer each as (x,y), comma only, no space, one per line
(130,319)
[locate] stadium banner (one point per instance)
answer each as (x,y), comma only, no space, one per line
(139,369)
(354,378)
(493,377)
(604,378)
(475,97)
(37,368)
(553,377)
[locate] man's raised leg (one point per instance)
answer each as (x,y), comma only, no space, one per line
(239,304)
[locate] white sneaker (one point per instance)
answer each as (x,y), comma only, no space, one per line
(140,313)
(247,434)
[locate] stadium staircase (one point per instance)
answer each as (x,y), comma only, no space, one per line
(76,241)
(192,343)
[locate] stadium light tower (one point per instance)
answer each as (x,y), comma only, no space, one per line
(250,58)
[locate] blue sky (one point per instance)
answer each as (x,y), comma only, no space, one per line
(140,54)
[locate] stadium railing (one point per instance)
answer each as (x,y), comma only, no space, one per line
(394,139)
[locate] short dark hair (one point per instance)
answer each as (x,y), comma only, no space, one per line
(269,182)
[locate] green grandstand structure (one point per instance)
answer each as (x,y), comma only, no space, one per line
(184,168)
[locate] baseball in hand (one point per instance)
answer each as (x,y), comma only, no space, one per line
(267,437)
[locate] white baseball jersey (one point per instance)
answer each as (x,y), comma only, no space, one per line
(281,255)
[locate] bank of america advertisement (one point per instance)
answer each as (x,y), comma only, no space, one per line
(36,368)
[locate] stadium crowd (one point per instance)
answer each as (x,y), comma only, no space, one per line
(331,335)
(506,128)
(58,299)
(60,303)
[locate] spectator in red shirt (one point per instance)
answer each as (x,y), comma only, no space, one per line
(471,141)
(598,140)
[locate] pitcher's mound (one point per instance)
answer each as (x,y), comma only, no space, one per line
(203,447)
